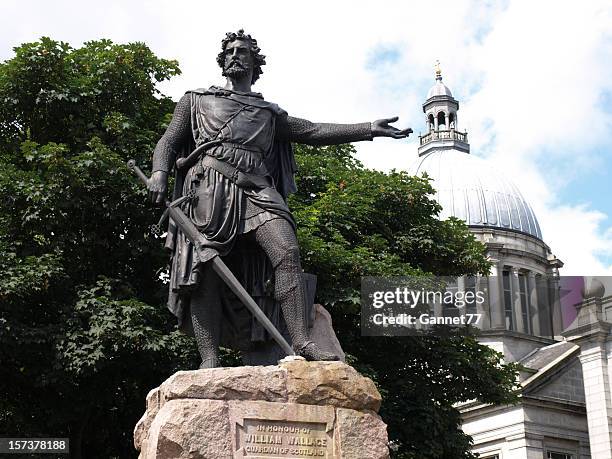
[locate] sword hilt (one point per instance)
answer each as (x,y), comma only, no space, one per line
(183,163)
(131,164)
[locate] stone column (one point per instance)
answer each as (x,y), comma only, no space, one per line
(447,121)
(485,318)
(438,311)
(461,284)
(516,301)
(555,304)
(496,304)
(436,123)
(534,306)
(595,363)
(593,333)
(544,298)
(461,288)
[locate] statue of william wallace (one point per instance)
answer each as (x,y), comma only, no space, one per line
(231,152)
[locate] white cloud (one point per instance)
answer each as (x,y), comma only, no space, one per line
(577,232)
(529,76)
(540,102)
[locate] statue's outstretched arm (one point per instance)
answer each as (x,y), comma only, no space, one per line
(303,131)
(175,137)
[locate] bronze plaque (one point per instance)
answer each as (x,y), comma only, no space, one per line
(279,430)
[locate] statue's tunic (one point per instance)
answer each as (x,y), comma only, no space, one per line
(246,124)
(256,137)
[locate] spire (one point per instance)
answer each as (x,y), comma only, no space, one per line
(438,71)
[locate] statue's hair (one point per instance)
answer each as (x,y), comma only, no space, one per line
(258,59)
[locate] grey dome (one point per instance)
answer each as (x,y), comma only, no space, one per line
(439,89)
(471,190)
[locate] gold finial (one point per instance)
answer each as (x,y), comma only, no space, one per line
(438,71)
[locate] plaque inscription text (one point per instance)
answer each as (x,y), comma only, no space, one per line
(284,439)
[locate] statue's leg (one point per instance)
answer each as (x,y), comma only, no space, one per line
(277,239)
(206,317)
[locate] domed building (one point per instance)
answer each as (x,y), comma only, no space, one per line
(521,315)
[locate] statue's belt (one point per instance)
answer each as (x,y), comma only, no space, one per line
(240,178)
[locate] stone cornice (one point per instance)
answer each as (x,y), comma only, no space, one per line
(492,333)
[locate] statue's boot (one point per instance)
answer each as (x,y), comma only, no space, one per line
(310,351)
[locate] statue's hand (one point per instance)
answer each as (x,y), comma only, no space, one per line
(381,128)
(158,186)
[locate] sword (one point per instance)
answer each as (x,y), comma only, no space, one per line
(192,233)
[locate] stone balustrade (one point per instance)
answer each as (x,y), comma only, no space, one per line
(443,135)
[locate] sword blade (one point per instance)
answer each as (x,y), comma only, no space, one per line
(228,277)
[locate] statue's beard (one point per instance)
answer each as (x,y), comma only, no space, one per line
(236,71)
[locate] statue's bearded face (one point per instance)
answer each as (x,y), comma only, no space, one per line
(238,59)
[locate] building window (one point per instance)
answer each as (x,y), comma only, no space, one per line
(554,455)
(525,304)
(441,121)
(507,284)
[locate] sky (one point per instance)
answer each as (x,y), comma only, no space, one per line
(533,80)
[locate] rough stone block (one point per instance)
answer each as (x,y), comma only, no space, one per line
(361,435)
(240,383)
(189,429)
(322,332)
(143,425)
(330,383)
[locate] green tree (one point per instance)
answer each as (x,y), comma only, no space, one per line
(80,342)
(83,330)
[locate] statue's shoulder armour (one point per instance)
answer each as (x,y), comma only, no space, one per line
(254,101)
(200,91)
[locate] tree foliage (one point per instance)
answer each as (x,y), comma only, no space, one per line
(84,333)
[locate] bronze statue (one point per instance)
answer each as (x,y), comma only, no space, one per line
(232,154)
